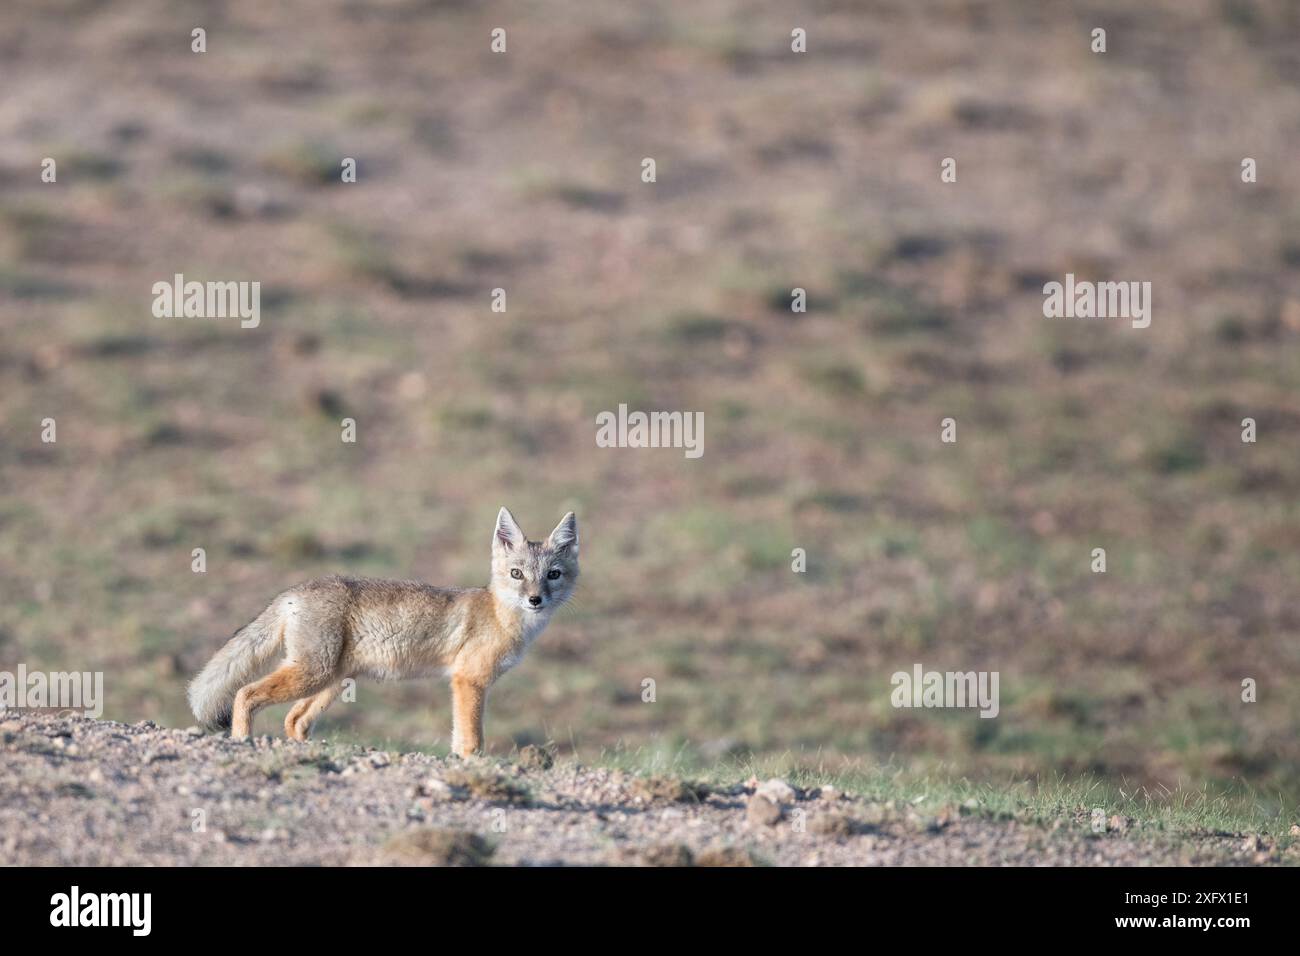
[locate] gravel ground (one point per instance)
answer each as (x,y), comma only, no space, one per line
(92,792)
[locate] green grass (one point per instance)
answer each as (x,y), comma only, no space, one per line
(1223,811)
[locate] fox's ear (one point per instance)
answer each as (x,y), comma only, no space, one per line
(565,535)
(508,534)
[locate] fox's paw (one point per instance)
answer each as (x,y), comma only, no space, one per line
(297,729)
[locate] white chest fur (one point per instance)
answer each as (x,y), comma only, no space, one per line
(531,628)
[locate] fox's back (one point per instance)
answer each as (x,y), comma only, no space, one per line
(387,628)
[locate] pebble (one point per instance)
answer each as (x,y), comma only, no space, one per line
(762,812)
(777,791)
(438,790)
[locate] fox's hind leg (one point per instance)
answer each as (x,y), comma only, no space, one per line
(314,637)
(289,682)
(291,719)
(297,726)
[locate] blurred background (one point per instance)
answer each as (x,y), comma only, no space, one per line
(775,170)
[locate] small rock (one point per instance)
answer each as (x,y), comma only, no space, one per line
(829,794)
(533,757)
(484,783)
(762,812)
(667,788)
(834,825)
(724,856)
(439,791)
(776,790)
(662,854)
(438,847)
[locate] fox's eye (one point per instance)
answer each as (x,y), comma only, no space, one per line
(554,574)
(516,574)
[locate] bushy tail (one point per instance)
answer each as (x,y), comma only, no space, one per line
(245,657)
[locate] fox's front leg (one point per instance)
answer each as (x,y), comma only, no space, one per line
(468,697)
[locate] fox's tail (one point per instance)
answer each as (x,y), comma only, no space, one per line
(245,657)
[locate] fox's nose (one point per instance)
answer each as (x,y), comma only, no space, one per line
(535,599)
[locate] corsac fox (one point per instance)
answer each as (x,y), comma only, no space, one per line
(334,628)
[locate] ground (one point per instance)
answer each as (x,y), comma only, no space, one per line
(79,791)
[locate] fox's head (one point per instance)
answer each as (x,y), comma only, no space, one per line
(534,576)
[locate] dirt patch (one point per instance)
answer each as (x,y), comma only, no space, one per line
(88,792)
(435,847)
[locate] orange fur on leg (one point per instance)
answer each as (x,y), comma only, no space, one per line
(287,683)
(468,697)
(297,726)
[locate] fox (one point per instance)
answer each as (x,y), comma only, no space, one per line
(330,629)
